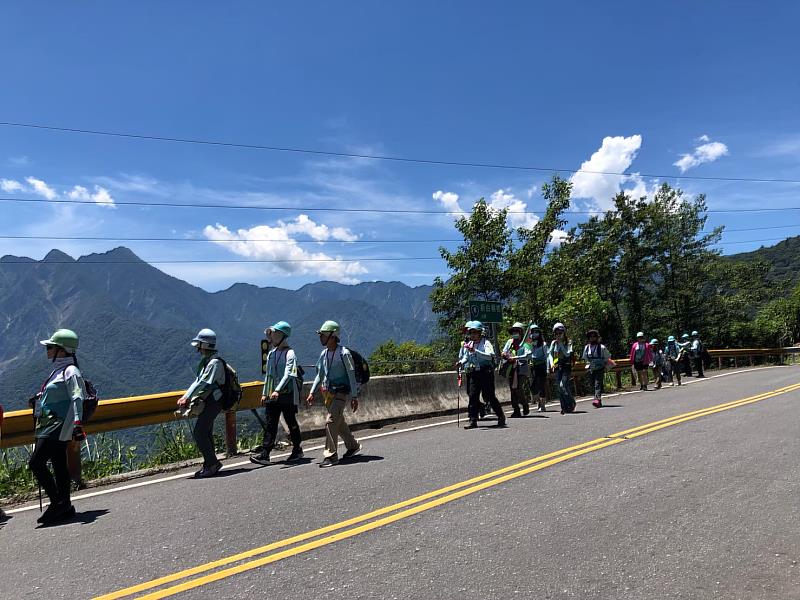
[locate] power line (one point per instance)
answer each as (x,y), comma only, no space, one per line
(347,210)
(401,159)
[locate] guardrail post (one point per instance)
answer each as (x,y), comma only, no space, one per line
(619,379)
(719,362)
(231,443)
(751,360)
(735,363)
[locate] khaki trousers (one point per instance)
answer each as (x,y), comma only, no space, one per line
(336,426)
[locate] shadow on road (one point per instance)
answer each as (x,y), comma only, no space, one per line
(296,463)
(360,458)
(229,472)
(84,518)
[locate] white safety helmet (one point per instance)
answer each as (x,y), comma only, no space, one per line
(205,339)
(559,326)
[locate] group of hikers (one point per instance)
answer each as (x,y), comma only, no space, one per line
(66,401)
(526,359)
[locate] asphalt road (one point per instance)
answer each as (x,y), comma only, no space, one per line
(705,508)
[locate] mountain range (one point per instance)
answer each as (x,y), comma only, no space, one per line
(135,322)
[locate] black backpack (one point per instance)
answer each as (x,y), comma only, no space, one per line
(231,389)
(299,379)
(361,367)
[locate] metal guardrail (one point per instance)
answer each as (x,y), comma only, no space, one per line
(136,411)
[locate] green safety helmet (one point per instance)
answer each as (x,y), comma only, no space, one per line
(671,338)
(284,328)
(695,333)
(329,327)
(639,334)
(534,327)
(654,341)
(685,336)
(64,338)
(517,325)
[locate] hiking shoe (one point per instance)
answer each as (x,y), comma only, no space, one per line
(516,415)
(500,424)
(472,425)
(53,507)
(353,452)
(3,516)
(61,511)
(295,455)
(542,407)
(329,461)
(260,459)
(597,403)
(206,472)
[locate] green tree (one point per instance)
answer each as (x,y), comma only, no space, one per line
(391,358)
(479,267)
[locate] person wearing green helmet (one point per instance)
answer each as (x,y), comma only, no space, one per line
(672,357)
(640,357)
(280,394)
(336,377)
(516,355)
(686,355)
(561,358)
(203,400)
(477,361)
(538,366)
(698,352)
(58,410)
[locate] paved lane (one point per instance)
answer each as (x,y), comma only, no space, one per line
(663,515)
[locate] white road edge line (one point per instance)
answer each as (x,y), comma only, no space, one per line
(184,475)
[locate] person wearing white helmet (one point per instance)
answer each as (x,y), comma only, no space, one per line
(560,358)
(641,356)
(281,394)
(686,355)
(477,360)
(596,356)
(336,376)
(516,355)
(538,366)
(202,400)
(698,351)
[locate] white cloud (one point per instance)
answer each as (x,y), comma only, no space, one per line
(275,244)
(41,188)
(704,153)
(100,195)
(449,201)
(516,208)
(615,155)
(10,185)
(317,231)
(499,200)
(19,161)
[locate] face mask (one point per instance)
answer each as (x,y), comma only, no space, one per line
(535,335)
(515,336)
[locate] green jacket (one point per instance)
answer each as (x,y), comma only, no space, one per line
(61,402)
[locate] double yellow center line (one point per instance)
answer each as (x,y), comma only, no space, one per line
(310,540)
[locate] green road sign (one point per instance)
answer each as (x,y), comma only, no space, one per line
(486,312)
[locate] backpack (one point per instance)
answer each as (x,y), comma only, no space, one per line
(231,389)
(299,379)
(361,367)
(90,402)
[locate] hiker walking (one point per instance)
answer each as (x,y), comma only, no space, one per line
(336,377)
(538,365)
(281,393)
(560,358)
(58,410)
(641,356)
(658,362)
(516,354)
(672,356)
(698,351)
(686,358)
(203,400)
(478,363)
(596,356)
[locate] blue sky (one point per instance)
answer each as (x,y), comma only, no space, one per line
(679,88)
